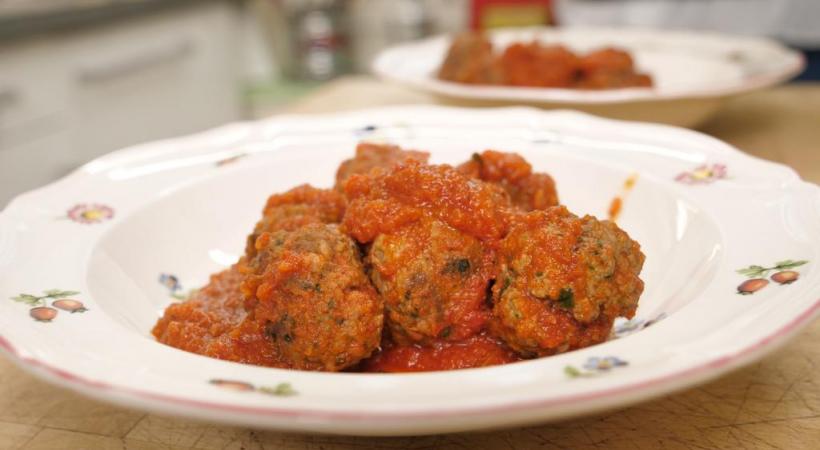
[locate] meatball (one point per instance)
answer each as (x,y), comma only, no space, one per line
(470,59)
(607,60)
(433,280)
(370,155)
(296,208)
(480,350)
(433,233)
(208,314)
(214,322)
(309,288)
(562,281)
(610,68)
(527,190)
(538,65)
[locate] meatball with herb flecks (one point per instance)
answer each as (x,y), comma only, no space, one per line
(309,288)
(528,190)
(562,281)
(433,233)
(433,279)
(370,155)
(296,208)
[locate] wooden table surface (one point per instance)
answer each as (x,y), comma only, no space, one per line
(772,404)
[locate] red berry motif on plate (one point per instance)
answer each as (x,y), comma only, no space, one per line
(70,305)
(786,276)
(43,313)
(40,310)
(749,287)
(783,275)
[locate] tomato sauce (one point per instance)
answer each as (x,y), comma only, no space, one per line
(213,322)
(403,195)
(477,351)
(414,267)
(617,203)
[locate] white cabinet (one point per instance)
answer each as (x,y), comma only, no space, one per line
(33,163)
(70,97)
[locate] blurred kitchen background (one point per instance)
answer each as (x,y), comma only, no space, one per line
(81,78)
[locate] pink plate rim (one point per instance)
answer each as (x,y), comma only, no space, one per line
(703,371)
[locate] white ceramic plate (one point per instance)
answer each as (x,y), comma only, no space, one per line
(701,210)
(693,71)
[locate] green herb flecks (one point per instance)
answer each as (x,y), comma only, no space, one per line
(566,298)
(460,266)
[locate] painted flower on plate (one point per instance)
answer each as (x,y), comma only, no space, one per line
(704,174)
(90,213)
(595,365)
(170,281)
(627,327)
(603,364)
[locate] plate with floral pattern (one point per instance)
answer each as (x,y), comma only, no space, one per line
(87,265)
(693,71)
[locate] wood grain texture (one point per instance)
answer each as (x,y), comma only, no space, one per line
(772,404)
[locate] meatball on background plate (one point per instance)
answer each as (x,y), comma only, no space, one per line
(693,73)
(730,271)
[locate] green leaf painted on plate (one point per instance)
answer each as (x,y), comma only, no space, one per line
(28,299)
(280,390)
(755,271)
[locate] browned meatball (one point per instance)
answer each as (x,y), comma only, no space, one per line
(433,279)
(528,190)
(296,208)
(562,281)
(309,288)
(538,65)
(370,155)
(470,59)
(432,231)
(610,68)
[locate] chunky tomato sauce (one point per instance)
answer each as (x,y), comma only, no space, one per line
(406,266)
(479,350)
(214,322)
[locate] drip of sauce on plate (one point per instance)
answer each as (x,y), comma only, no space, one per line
(616,206)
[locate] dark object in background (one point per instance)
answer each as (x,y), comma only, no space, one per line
(812,72)
(318,44)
